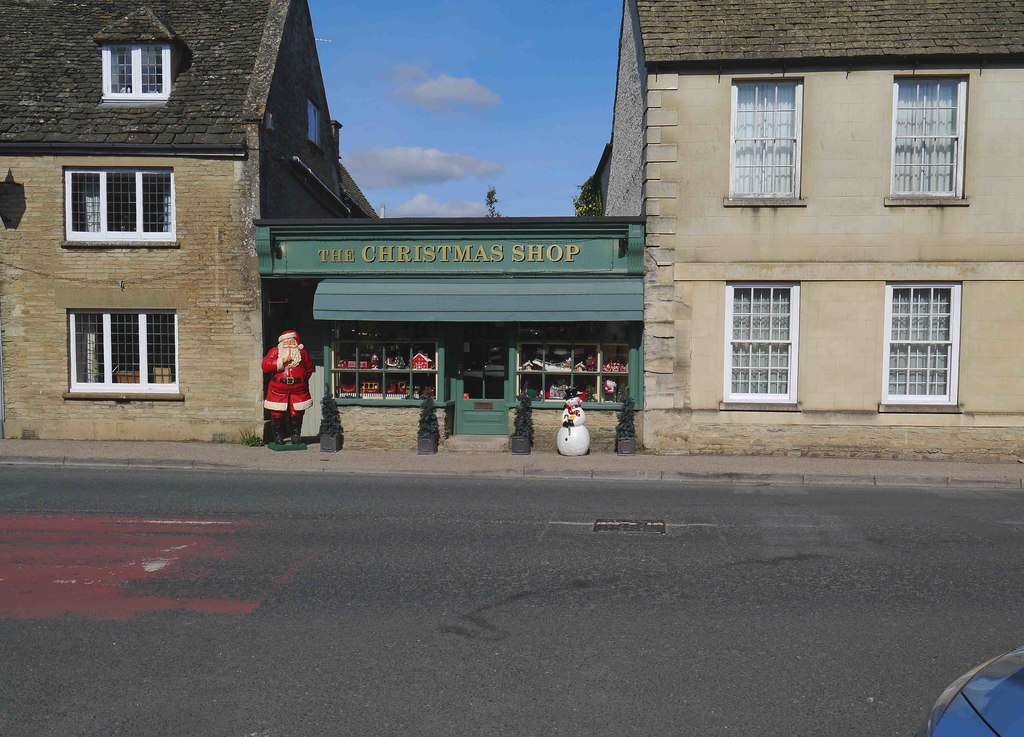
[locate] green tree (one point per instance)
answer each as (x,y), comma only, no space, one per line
(588,203)
(492,203)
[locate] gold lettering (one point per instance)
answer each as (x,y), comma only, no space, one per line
(417,257)
(497,252)
(570,252)
(349,256)
(554,252)
(444,251)
(369,254)
(387,254)
(322,253)
(535,252)
(463,254)
(429,254)
(402,254)
(335,255)
(480,255)
(518,253)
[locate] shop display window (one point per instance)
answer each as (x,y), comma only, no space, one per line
(590,358)
(382,361)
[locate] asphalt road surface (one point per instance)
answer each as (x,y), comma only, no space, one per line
(192,603)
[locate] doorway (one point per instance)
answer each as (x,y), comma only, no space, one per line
(480,386)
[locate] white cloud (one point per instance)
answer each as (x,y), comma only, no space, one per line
(425,206)
(411,166)
(442,92)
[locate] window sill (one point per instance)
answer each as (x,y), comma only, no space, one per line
(926,202)
(764,202)
(759,407)
(930,409)
(125,397)
(119,244)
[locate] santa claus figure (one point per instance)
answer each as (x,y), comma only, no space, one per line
(289,367)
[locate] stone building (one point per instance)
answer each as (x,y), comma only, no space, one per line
(138,142)
(834,235)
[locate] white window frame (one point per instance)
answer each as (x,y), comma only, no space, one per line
(797,132)
(108,386)
(953,385)
(312,121)
(961,138)
(105,236)
(794,341)
(136,95)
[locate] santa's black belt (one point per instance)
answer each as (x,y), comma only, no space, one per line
(290,380)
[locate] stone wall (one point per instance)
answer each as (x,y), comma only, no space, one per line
(384,428)
(547,423)
(208,277)
(842,243)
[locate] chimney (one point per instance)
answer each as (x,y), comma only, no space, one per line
(336,134)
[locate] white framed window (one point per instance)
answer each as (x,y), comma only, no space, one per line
(764,158)
(123,351)
(119,204)
(136,73)
(928,124)
(313,121)
(922,343)
(761,342)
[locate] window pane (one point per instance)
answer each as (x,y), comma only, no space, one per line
(765,145)
(124,348)
(156,202)
(152,70)
(161,363)
(313,121)
(927,145)
(89,367)
(121,201)
(85,202)
(121,70)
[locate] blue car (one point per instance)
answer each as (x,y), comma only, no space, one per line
(987,701)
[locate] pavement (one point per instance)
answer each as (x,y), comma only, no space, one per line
(788,471)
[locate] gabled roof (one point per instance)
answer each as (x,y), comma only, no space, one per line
(51,86)
(711,32)
(138,26)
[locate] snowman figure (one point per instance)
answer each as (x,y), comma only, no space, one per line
(573,437)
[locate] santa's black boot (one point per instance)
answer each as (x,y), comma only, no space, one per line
(296,423)
(277,429)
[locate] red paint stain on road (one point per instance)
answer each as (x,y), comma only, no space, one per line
(107,568)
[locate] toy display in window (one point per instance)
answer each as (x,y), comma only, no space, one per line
(573,437)
(422,362)
(615,364)
(290,368)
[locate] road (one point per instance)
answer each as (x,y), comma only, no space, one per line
(220,603)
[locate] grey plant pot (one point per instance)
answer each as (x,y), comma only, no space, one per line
(625,446)
(330,443)
(426,446)
(519,446)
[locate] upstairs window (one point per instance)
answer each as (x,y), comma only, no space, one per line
(136,73)
(119,204)
(313,121)
(928,137)
(765,154)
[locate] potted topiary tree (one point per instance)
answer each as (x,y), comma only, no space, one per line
(428,434)
(625,428)
(331,434)
(522,427)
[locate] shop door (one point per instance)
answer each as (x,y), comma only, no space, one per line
(481,380)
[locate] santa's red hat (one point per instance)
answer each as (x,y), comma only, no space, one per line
(288,334)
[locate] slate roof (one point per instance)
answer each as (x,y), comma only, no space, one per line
(708,32)
(51,84)
(352,195)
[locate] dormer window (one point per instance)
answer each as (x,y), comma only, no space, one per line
(136,73)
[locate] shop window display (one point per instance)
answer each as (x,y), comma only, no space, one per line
(379,361)
(590,358)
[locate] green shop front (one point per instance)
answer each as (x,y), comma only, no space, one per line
(472,312)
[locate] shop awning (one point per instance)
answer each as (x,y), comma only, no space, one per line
(573,298)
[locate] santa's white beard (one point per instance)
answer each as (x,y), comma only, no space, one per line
(289,356)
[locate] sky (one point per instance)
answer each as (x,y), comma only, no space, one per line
(442,100)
